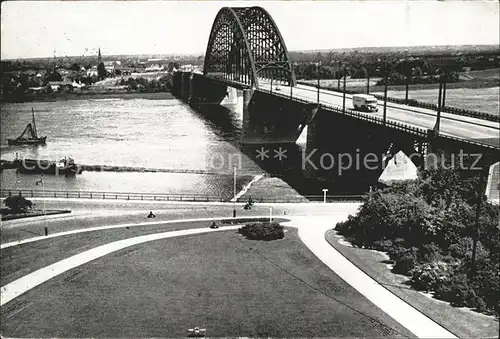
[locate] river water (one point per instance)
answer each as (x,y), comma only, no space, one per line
(162,134)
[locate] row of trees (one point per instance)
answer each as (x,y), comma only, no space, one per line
(395,69)
(161,84)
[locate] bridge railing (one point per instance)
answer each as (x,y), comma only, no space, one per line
(415,103)
(392,124)
(163,197)
(349,112)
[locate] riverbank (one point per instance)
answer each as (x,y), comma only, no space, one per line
(86,95)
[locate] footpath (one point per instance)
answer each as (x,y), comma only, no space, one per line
(423,316)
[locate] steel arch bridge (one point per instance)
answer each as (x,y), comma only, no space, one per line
(245,46)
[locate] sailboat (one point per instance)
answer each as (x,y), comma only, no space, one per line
(29,135)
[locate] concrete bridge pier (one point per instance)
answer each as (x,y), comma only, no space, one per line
(177,84)
(185,85)
(247,97)
(192,94)
(272,119)
(203,90)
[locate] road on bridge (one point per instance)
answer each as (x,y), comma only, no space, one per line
(457,126)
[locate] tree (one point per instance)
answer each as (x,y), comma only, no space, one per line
(54,76)
(75,67)
(101,71)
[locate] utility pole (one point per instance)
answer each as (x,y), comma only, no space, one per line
(368,83)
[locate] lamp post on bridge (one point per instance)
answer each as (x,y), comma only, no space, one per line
(367,82)
(385,93)
(343,91)
(318,64)
(444,87)
(438,115)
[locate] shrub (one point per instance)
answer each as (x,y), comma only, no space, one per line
(18,204)
(457,291)
(406,259)
(263,231)
(430,276)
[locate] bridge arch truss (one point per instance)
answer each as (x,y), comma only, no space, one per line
(245,46)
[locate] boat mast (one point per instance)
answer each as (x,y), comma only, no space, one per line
(34,125)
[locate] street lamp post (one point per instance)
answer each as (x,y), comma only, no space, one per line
(234,191)
(324,194)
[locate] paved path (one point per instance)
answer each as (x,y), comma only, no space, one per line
(406,315)
(312,233)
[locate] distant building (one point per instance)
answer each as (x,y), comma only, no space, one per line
(154,68)
(92,71)
(58,86)
(186,68)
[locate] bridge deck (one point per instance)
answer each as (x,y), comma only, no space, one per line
(462,127)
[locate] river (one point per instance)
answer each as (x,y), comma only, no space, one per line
(161,134)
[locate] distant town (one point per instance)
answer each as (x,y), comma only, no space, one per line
(41,78)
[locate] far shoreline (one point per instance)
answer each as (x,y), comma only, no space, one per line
(86,95)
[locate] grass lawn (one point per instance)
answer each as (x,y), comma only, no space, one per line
(476,99)
(20,260)
(220,281)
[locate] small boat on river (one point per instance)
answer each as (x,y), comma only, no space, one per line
(63,166)
(29,135)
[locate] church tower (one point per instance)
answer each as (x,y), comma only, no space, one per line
(99,57)
(101,70)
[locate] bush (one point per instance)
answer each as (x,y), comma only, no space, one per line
(263,231)
(456,291)
(430,276)
(18,204)
(406,259)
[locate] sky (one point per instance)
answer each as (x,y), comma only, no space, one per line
(47,28)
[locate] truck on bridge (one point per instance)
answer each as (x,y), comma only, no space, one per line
(364,102)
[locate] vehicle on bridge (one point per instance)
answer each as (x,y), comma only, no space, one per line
(364,102)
